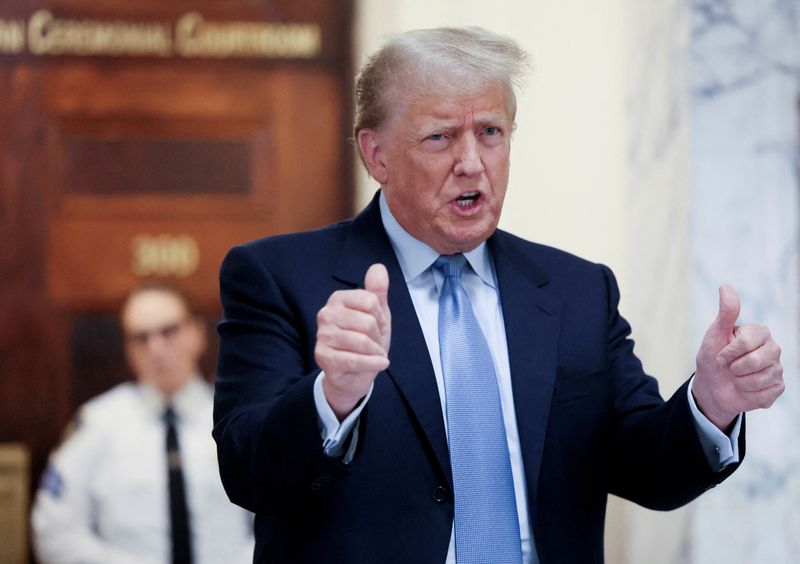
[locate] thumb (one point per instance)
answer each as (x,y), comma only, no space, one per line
(377,282)
(729,307)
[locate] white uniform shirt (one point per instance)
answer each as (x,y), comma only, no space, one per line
(104,498)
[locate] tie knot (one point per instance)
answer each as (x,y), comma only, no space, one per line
(169,415)
(450,265)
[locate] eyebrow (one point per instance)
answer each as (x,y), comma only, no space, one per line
(145,333)
(480,119)
(429,128)
(490,117)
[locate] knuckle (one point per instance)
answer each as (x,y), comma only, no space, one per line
(749,340)
(321,355)
(324,333)
(324,315)
(338,295)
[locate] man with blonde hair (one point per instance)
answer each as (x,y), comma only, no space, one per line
(415,385)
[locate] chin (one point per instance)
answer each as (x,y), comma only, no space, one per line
(468,241)
(463,244)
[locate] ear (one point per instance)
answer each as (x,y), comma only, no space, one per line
(370,143)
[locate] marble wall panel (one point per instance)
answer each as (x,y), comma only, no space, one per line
(745,85)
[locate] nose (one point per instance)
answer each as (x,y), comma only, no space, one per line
(156,344)
(468,158)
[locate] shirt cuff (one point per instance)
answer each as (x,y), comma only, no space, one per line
(721,450)
(334,432)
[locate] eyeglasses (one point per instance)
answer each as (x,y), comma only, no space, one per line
(166,332)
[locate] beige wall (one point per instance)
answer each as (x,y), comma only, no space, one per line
(569,136)
(599,169)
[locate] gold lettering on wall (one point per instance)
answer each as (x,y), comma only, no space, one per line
(190,36)
(12,36)
(50,36)
(194,37)
(164,255)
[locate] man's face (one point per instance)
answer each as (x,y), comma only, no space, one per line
(163,343)
(443,163)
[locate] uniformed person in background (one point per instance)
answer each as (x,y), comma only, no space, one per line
(137,480)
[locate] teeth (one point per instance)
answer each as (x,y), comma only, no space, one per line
(467,199)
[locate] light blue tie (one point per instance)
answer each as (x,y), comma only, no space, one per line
(486,523)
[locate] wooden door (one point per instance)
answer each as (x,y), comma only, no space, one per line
(141,140)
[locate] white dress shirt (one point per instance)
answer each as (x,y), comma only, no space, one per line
(480,282)
(104,497)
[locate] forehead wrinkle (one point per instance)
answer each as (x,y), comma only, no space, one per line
(416,123)
(476,118)
(489,116)
(439,125)
(450,99)
(417,112)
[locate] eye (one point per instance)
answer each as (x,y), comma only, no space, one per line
(491,130)
(436,142)
(170,330)
(138,338)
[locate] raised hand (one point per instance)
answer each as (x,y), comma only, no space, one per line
(738,368)
(353,334)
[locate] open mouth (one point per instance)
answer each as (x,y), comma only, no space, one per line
(468,199)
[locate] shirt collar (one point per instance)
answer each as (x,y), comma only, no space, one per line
(416,257)
(185,401)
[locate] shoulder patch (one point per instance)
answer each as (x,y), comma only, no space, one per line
(52,482)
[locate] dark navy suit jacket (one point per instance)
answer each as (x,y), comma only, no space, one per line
(590,421)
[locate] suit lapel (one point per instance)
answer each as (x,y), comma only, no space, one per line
(410,366)
(532,322)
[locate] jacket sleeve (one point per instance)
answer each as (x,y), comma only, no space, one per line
(658,459)
(265,419)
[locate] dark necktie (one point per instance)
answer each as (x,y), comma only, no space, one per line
(486,522)
(178,510)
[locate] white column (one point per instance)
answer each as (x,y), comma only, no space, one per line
(745,76)
(599,168)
